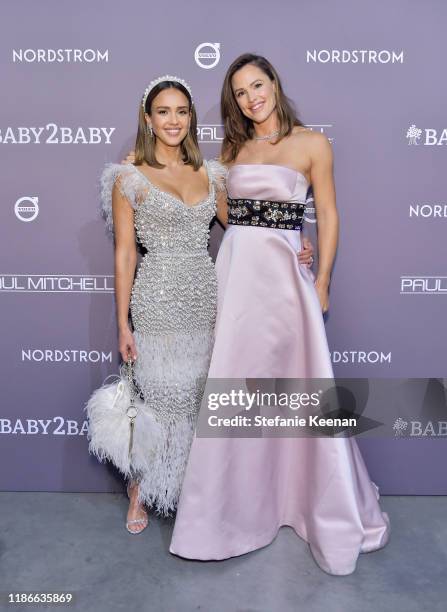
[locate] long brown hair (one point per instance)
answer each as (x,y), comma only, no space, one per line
(145,144)
(237,127)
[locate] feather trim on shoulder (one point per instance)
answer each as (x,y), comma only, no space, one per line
(128,181)
(218,173)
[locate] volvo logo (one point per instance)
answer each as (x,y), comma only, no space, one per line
(26,208)
(207,55)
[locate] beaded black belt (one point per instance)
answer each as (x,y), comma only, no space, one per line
(266,213)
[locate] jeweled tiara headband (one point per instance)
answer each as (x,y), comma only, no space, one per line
(166,77)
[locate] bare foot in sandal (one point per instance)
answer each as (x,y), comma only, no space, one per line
(137,518)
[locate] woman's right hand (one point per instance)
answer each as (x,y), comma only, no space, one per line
(126,344)
(130,158)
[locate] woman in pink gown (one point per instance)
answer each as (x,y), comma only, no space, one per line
(238,492)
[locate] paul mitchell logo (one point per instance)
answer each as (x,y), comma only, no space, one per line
(207,55)
(210,132)
(56,283)
(423,285)
(26,208)
(214,132)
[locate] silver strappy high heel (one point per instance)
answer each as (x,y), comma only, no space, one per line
(137,520)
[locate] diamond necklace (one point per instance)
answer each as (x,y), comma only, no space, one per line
(272,135)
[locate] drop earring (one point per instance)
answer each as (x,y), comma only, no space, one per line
(149,131)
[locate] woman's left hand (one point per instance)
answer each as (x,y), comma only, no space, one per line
(305,256)
(322,288)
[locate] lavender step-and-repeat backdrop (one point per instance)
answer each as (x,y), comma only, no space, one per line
(368,75)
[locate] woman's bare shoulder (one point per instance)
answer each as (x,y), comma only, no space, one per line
(311,140)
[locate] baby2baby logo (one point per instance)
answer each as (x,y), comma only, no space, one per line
(411,429)
(426,136)
(56,134)
(57,426)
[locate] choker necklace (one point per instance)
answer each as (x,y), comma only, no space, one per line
(268,137)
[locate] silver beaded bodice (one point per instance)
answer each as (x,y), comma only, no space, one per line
(176,276)
(164,224)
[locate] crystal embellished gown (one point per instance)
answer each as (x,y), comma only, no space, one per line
(173,308)
(238,492)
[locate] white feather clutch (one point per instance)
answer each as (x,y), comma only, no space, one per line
(122,428)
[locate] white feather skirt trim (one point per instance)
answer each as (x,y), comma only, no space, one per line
(161,485)
(175,358)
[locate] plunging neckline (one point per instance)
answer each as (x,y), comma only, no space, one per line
(172,196)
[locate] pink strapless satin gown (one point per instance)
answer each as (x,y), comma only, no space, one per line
(238,492)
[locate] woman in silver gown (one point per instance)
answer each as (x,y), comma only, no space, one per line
(166,201)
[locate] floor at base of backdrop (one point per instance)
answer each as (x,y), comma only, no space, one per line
(78,543)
